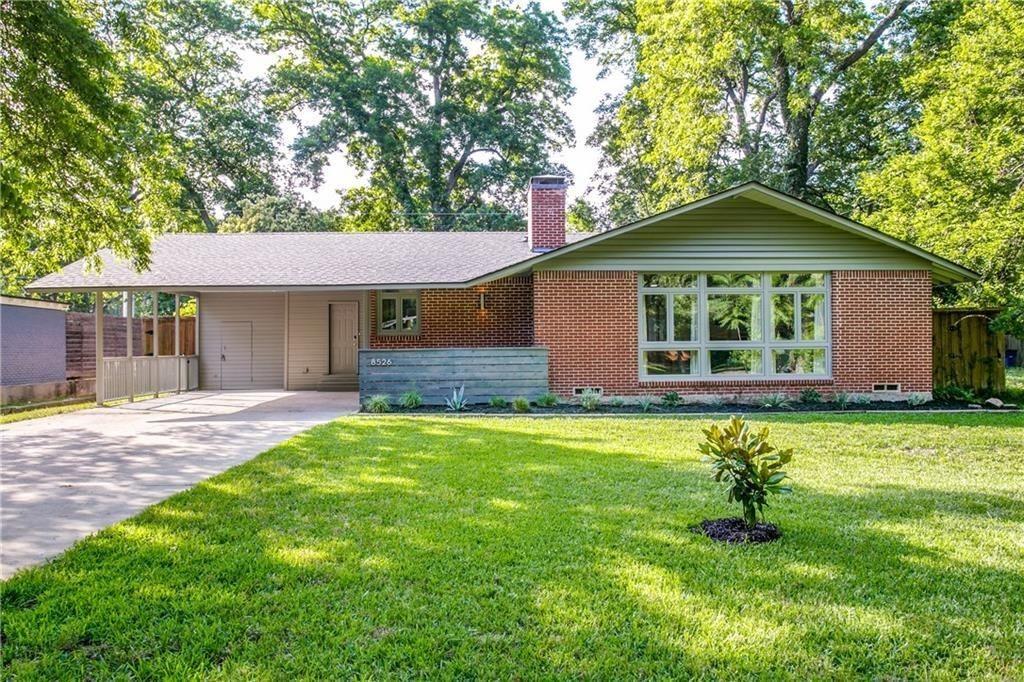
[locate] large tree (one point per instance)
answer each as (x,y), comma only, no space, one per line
(447,106)
(960,190)
(283,212)
(215,133)
(122,120)
(71,166)
(790,92)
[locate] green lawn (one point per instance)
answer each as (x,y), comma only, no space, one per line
(48,411)
(553,548)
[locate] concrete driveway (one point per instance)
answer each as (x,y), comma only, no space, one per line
(66,476)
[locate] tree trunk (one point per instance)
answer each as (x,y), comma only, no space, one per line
(796,165)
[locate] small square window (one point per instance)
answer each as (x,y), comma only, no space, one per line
(398,313)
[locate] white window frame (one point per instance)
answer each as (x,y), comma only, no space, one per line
(398,295)
(703,345)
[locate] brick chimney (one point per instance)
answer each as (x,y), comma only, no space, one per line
(545,213)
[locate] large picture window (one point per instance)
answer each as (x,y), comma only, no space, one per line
(398,312)
(733,324)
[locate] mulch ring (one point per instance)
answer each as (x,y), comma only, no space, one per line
(734,531)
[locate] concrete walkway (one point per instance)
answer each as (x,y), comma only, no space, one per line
(66,476)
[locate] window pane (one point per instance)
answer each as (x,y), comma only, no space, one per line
(799,361)
(734,317)
(734,279)
(388,314)
(684,309)
(669,362)
(735,361)
(812,317)
(656,317)
(799,279)
(409,314)
(784,316)
(670,280)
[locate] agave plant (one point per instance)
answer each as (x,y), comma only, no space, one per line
(457,403)
(747,464)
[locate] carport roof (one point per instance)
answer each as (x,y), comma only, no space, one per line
(282,260)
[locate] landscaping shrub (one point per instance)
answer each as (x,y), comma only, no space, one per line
(497,401)
(916,399)
(458,402)
(378,404)
(590,400)
(671,399)
(776,401)
(410,400)
(747,464)
(861,400)
(547,400)
(810,396)
(617,401)
(841,400)
(521,405)
(952,393)
(646,403)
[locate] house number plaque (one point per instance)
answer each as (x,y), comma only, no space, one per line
(380,362)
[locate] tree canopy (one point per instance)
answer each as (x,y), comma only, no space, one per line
(121,121)
(279,213)
(959,191)
(448,106)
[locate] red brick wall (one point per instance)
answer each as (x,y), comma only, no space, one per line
(881,333)
(588,323)
(452,318)
(882,329)
(546,215)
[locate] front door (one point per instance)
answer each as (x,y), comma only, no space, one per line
(236,355)
(344,337)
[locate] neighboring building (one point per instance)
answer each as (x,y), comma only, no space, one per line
(745,292)
(32,347)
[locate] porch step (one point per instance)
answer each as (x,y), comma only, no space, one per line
(338,382)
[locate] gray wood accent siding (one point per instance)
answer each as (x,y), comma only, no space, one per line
(436,372)
(309,316)
(266,312)
(738,234)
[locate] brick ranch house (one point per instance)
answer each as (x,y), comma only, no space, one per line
(745,292)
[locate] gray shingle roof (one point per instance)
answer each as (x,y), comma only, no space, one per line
(303,259)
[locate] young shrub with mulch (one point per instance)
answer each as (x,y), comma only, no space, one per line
(750,468)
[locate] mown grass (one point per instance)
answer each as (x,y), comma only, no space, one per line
(553,548)
(49,411)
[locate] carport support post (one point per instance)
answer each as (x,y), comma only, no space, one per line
(99,348)
(156,343)
(177,342)
(129,321)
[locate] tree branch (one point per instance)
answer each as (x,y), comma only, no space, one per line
(863,48)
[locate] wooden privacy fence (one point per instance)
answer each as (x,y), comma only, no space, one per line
(80,332)
(965,352)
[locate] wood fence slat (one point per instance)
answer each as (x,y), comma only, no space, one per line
(966,352)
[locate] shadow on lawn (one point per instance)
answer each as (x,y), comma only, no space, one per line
(370,545)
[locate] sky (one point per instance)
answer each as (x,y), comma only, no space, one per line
(581,159)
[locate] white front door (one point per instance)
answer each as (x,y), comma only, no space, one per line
(344,337)
(236,355)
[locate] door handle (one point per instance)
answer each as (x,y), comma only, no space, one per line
(222,358)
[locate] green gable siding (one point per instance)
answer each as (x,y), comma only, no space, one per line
(737,234)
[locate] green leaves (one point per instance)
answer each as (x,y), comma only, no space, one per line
(448,107)
(748,465)
(959,191)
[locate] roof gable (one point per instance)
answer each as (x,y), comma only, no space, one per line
(747,227)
